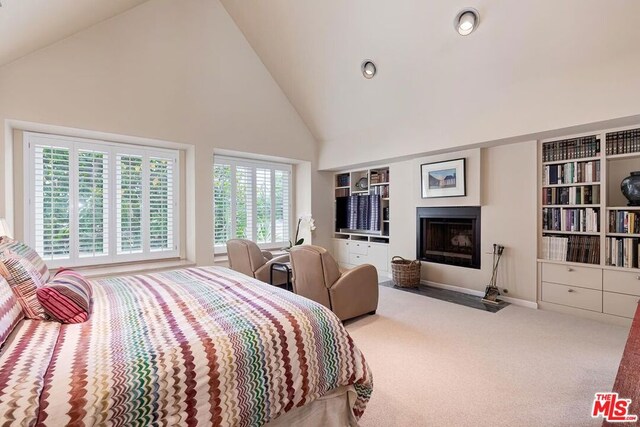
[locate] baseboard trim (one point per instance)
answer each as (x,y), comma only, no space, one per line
(510,300)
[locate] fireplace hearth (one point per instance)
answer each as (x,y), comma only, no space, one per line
(449,235)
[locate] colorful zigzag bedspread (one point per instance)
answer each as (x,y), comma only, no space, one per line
(199,346)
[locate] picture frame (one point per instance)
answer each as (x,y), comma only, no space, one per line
(443,179)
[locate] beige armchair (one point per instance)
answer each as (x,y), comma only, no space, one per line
(246,257)
(316,276)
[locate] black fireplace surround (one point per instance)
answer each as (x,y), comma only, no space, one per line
(449,235)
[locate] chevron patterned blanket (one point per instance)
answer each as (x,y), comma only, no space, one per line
(198,346)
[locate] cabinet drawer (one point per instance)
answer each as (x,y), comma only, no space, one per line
(573,296)
(571,275)
(358,247)
(357,259)
(624,282)
(620,305)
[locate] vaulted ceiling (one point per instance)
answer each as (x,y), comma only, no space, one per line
(430,79)
(531,66)
(28,25)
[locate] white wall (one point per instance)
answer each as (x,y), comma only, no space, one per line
(500,179)
(177,71)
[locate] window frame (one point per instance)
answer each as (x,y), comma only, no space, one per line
(235,162)
(113,149)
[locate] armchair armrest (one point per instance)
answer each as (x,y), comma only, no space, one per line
(365,273)
(267,255)
(355,292)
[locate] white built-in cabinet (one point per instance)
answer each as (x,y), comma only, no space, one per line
(598,275)
(356,247)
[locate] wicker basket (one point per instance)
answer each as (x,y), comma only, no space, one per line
(405,273)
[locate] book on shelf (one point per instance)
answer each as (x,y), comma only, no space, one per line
(342,180)
(342,192)
(579,195)
(379,177)
(627,222)
(573,148)
(554,248)
(622,252)
(582,249)
(623,142)
(380,190)
(586,220)
(572,173)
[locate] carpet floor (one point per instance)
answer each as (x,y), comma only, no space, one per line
(435,363)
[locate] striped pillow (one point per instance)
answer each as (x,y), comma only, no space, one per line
(10,310)
(24,280)
(67,298)
(10,247)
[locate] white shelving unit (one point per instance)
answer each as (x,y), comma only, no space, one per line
(355,247)
(595,288)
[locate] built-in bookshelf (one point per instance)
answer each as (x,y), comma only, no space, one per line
(589,246)
(363,236)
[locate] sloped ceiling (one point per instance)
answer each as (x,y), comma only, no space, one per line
(531,66)
(28,25)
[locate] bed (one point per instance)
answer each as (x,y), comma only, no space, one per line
(197,346)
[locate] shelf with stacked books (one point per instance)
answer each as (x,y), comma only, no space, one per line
(622,241)
(570,204)
(588,239)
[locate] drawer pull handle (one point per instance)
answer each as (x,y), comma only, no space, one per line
(570,290)
(569,269)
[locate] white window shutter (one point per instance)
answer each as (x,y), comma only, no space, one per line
(222,184)
(252,200)
(129,207)
(282,204)
(52,202)
(244,203)
(161,204)
(93,203)
(263,205)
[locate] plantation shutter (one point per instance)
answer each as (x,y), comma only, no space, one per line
(222,187)
(263,205)
(161,204)
(129,204)
(244,203)
(52,215)
(282,220)
(252,200)
(93,203)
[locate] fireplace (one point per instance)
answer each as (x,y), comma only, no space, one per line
(449,236)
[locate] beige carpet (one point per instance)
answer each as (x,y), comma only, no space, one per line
(435,363)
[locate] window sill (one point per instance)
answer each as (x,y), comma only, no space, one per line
(133,268)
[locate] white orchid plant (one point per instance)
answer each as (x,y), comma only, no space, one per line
(306,221)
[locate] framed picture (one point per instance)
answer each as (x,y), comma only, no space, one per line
(443,179)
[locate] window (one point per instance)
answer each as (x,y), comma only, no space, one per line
(252,200)
(93,202)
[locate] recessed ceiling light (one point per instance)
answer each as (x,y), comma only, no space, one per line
(368,69)
(466,21)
